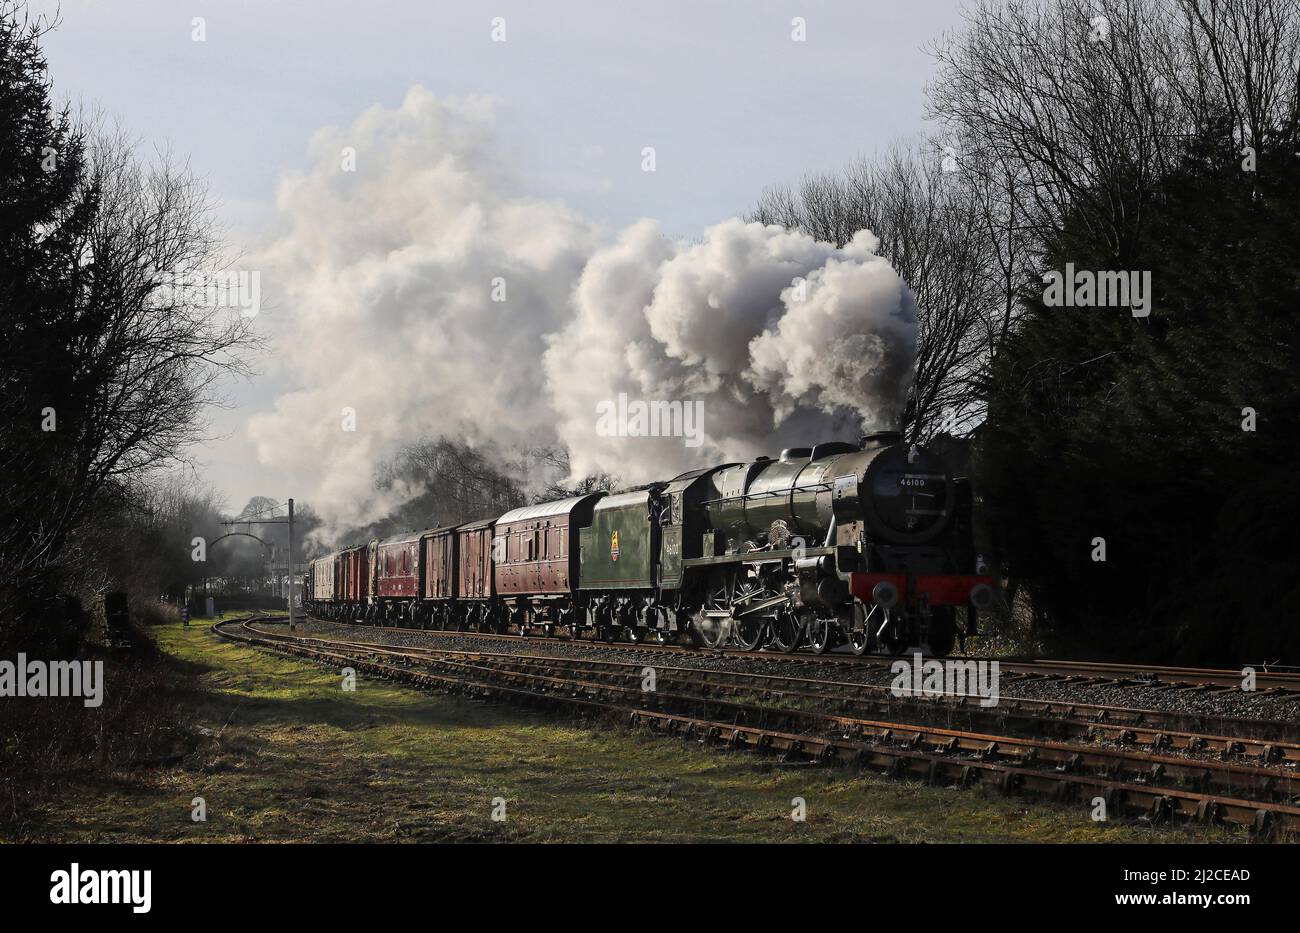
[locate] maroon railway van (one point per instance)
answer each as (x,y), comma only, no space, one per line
(474,560)
(538,556)
(397,577)
(438,558)
(356,579)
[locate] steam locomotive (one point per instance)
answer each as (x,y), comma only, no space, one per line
(868,545)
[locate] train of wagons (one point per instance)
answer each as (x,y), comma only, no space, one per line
(866,544)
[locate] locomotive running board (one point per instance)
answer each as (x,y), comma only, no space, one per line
(755,557)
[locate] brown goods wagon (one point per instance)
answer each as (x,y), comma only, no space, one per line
(474,560)
(539,554)
(356,573)
(438,555)
(397,567)
(344,574)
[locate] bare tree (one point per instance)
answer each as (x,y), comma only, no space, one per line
(121,364)
(1242,58)
(1082,107)
(460,483)
(551,466)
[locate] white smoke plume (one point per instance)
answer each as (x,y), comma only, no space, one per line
(785,341)
(390,274)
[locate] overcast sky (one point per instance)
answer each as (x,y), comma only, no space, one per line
(721,91)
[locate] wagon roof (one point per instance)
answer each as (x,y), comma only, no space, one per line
(406,538)
(545,509)
(474,526)
(439,530)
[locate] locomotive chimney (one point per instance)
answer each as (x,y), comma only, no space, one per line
(881,439)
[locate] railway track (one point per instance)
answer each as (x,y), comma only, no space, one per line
(1267,740)
(1254,784)
(1092,673)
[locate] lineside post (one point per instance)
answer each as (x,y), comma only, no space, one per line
(292,584)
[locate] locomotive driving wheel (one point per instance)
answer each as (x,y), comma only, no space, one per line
(787,629)
(712,630)
(818,632)
(748,632)
(711,623)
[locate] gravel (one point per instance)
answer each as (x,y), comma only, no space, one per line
(1209,702)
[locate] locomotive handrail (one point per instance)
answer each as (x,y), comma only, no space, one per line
(756,555)
(811,487)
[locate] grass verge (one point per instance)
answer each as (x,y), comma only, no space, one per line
(279,752)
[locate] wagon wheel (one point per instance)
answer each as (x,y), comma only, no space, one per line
(605,626)
(819,633)
(653,616)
